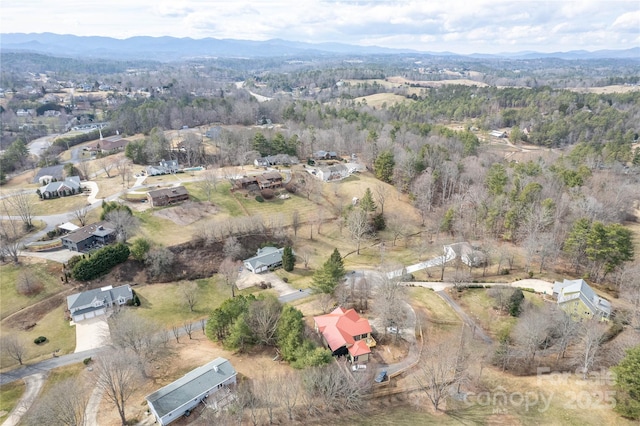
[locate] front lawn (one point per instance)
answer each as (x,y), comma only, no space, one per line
(10,394)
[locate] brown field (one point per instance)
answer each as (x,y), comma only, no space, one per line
(617,88)
(382,99)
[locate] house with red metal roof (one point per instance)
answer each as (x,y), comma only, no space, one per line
(346,333)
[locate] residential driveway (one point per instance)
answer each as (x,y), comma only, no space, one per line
(33,385)
(60,256)
(92,333)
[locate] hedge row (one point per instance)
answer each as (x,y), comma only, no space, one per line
(100,262)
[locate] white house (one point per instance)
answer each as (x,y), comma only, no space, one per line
(209,383)
(92,303)
(267,257)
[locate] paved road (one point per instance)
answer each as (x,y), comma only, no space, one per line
(290,297)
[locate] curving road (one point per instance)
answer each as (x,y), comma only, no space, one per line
(33,386)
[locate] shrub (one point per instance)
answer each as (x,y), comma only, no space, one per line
(291,188)
(40,339)
(530,274)
(379,223)
(285,279)
(86,361)
(259,199)
(267,194)
(504,271)
(100,262)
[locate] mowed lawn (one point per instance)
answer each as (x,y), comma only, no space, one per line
(438,309)
(46,273)
(10,394)
(60,336)
(165,303)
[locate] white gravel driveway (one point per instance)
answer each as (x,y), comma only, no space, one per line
(92,333)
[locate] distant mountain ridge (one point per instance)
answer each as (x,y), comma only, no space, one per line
(172,48)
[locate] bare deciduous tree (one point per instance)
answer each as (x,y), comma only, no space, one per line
(10,234)
(229,271)
(305,255)
(289,388)
(232,248)
(136,334)
(209,182)
(389,302)
(589,344)
(442,367)
(175,329)
(13,347)
(64,403)
(381,195)
(263,318)
(501,294)
(81,214)
(23,205)
(28,284)
(106,164)
(187,326)
(295,222)
(159,261)
(532,331)
(118,375)
(123,167)
(190,294)
(123,222)
(358,226)
(85,169)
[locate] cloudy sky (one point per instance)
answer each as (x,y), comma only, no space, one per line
(461,26)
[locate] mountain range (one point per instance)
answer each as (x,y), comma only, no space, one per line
(172,48)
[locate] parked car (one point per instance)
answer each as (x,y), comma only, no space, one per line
(382,376)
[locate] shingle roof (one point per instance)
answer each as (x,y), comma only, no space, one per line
(190,386)
(266,256)
(107,294)
(85,232)
(169,192)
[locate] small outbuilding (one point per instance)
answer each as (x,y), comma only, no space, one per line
(212,383)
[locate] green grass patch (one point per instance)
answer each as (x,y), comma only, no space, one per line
(164,303)
(298,278)
(220,197)
(10,394)
(60,335)
(59,374)
(438,309)
(479,305)
(159,230)
(12,301)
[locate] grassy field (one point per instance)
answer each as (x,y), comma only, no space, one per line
(60,335)
(161,231)
(437,308)
(221,197)
(165,304)
(379,100)
(11,301)
(10,394)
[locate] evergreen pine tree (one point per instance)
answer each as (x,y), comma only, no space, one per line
(367,204)
(288,259)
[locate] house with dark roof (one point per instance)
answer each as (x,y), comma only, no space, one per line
(325,155)
(55,189)
(164,167)
(167,196)
(269,180)
(265,259)
(212,383)
(90,237)
(344,332)
(109,144)
(49,174)
(576,298)
(93,303)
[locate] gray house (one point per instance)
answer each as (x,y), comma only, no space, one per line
(90,237)
(579,300)
(55,189)
(209,383)
(93,303)
(266,258)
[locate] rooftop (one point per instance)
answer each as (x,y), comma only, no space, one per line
(190,386)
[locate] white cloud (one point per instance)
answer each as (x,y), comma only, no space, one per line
(464,26)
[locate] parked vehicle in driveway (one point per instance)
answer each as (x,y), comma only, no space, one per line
(382,376)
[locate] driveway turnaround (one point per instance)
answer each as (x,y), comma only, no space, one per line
(92,333)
